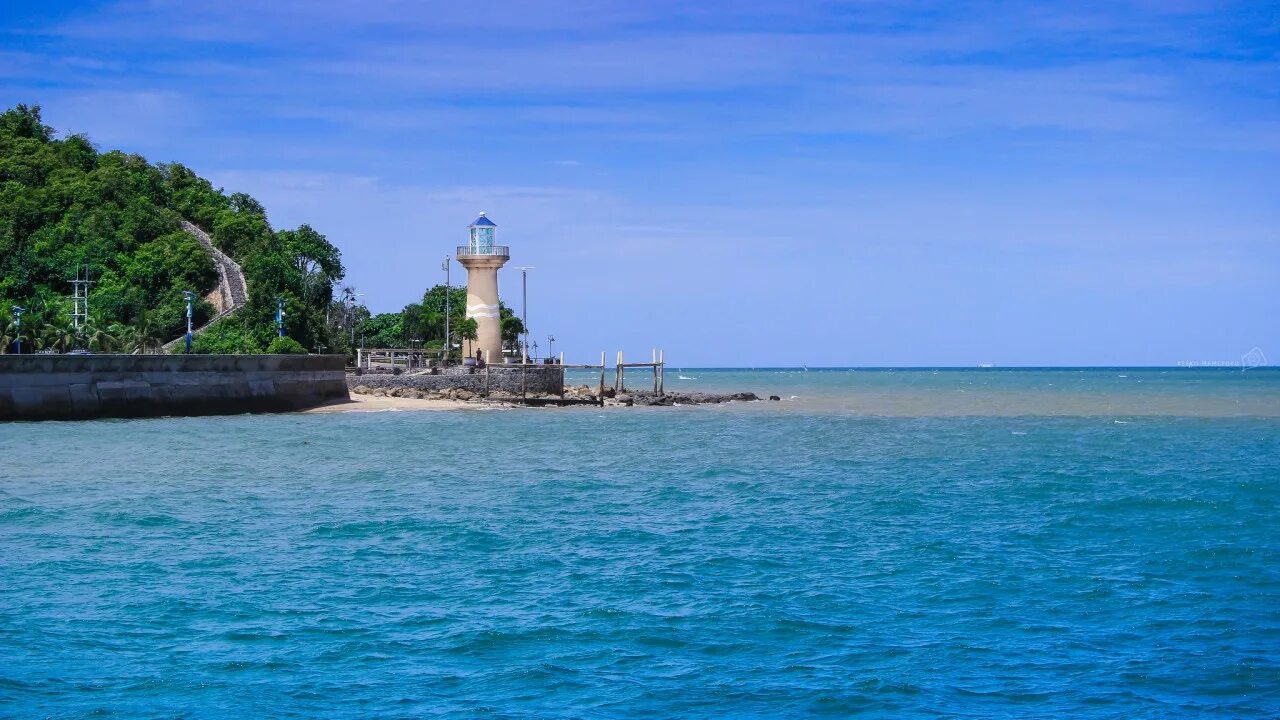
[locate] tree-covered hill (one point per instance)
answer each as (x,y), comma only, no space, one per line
(66,207)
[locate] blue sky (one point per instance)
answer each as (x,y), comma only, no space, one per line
(821,183)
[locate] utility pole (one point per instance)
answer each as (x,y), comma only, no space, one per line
(190,296)
(447,291)
(524,304)
(17,319)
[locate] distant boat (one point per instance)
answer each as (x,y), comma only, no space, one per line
(985,365)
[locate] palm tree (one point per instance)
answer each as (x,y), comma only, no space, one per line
(147,335)
(58,336)
(9,337)
(101,340)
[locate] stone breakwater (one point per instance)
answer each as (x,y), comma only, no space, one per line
(494,380)
(447,387)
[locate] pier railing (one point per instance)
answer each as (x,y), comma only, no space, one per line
(491,251)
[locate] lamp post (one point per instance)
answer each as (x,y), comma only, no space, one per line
(535,349)
(280,317)
(445,267)
(17,320)
(351,296)
(550,351)
(190,296)
(524,303)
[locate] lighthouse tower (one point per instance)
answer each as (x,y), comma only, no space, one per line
(482,258)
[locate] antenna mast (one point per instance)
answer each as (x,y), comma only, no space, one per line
(80,298)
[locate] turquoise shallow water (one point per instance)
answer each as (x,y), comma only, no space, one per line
(846,552)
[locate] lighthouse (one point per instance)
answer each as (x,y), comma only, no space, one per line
(482,258)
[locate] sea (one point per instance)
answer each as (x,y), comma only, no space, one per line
(880,543)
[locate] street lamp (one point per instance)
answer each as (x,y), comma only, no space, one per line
(524,303)
(447,287)
(351,309)
(280,317)
(535,349)
(550,352)
(190,296)
(17,319)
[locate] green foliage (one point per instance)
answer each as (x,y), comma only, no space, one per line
(64,205)
(225,337)
(285,346)
(384,330)
(425,322)
(467,328)
(512,326)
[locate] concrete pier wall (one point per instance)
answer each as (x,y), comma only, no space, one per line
(59,387)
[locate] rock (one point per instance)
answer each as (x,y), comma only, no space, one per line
(774,397)
(464,395)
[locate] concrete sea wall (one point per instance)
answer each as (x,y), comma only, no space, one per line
(55,387)
(543,379)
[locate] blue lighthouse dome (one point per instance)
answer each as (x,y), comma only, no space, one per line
(483,221)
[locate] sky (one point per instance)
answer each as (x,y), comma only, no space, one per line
(741,184)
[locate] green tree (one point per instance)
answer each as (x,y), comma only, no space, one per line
(103,340)
(285,346)
(384,330)
(147,334)
(57,336)
(466,329)
(228,336)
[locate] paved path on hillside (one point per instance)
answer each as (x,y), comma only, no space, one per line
(232,291)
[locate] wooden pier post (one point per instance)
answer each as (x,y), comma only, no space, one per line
(601,393)
(655,370)
(617,374)
(662,373)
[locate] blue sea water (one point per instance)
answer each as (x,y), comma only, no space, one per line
(979,544)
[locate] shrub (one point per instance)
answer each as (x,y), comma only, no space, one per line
(285,346)
(228,336)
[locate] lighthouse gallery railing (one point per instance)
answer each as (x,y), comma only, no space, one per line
(498,250)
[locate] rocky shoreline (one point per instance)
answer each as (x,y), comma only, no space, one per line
(579,395)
